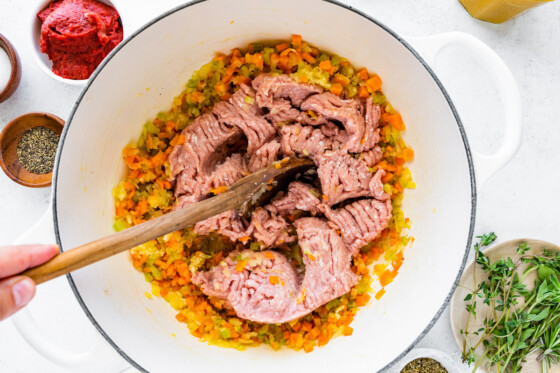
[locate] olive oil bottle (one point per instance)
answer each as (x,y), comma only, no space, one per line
(499,11)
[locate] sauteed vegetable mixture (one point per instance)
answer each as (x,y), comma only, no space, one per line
(170,262)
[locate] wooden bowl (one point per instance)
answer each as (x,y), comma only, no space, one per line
(9,139)
(15,76)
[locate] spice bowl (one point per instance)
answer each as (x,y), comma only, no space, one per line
(15,72)
(418,353)
(10,139)
(41,58)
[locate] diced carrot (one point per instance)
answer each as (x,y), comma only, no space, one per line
(296,40)
(387,177)
(220,88)
(269,255)
(376,252)
(347,331)
(397,263)
(274,280)
(306,326)
(326,66)
(379,294)
(336,89)
(142,207)
(303,79)
(342,80)
(308,57)
(133,174)
(284,63)
(363,74)
(274,345)
(314,333)
(296,327)
(240,79)
(158,159)
(408,154)
(226,79)
(362,300)
(394,120)
(322,340)
(240,266)
(374,83)
(387,277)
(363,92)
(307,347)
(274,59)
(258,60)
(180,317)
(280,47)
(219,190)
(226,96)
(399,161)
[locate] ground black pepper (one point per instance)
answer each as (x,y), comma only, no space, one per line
(36,150)
(424,365)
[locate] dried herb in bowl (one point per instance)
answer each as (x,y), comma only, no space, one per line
(424,365)
(36,150)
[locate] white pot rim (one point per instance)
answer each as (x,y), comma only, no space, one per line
(343,7)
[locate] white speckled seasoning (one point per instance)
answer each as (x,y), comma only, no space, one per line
(161,57)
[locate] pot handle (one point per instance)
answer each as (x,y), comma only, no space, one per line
(31,331)
(485,165)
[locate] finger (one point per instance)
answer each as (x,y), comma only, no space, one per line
(15,293)
(15,259)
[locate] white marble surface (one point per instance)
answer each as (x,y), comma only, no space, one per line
(522,200)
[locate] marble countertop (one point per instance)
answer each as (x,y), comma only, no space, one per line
(520,201)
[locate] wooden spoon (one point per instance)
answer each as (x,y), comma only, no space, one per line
(243,196)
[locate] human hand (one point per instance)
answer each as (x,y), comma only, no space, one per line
(17,291)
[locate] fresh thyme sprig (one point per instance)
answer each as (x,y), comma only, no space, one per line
(519,321)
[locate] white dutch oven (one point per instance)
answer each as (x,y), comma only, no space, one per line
(142,76)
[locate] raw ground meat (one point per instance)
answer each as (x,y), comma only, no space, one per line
(280,117)
(268,289)
(300,196)
(344,177)
(360,222)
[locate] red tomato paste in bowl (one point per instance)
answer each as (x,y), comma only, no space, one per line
(77,34)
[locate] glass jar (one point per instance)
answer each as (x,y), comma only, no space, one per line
(498,11)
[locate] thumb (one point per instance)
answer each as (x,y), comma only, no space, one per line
(15,293)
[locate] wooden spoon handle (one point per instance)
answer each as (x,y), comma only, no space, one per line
(105,247)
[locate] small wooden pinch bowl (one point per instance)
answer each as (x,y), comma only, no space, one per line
(9,140)
(15,75)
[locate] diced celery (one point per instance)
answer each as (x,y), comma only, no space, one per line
(151,128)
(225,333)
(120,224)
(119,192)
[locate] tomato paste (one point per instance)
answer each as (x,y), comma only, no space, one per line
(77,35)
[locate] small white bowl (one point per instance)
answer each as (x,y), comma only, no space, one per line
(439,356)
(41,58)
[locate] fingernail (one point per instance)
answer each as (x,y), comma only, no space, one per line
(23,292)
